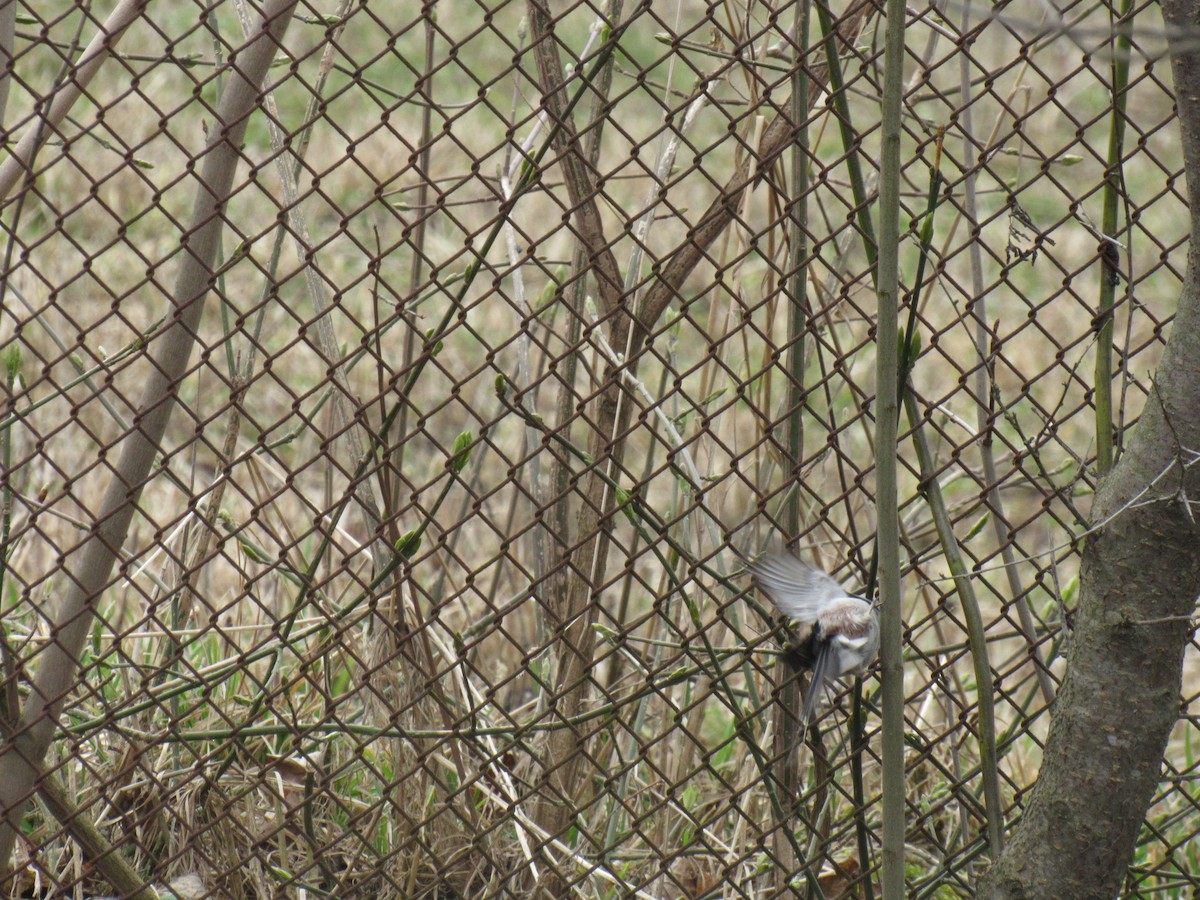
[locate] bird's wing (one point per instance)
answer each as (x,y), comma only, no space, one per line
(798,590)
(821,676)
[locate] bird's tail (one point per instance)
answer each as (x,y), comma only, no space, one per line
(816,684)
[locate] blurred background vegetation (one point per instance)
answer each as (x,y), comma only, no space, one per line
(293,686)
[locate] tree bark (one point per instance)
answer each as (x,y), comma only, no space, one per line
(1140,580)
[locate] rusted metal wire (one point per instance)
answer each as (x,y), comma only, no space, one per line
(435,586)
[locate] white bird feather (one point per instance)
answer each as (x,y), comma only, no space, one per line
(844,633)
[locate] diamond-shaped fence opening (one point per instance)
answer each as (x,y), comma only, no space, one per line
(395,395)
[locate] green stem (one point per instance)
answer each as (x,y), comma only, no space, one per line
(930,488)
(858,737)
(785,761)
(1114,181)
(797,265)
(976,633)
(887,548)
(841,109)
(10,705)
(517,730)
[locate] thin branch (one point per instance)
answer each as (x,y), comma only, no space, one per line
(72,87)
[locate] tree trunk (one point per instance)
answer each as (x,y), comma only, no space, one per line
(1140,580)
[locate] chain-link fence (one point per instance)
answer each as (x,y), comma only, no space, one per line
(518,328)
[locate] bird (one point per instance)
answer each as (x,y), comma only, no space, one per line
(843,636)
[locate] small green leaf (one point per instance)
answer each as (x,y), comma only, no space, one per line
(327,21)
(978,526)
(255,553)
(409,544)
(547,301)
(625,503)
(12,361)
(462,452)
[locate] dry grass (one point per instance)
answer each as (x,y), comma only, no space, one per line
(340,782)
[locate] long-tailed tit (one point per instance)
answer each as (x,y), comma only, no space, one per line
(843,632)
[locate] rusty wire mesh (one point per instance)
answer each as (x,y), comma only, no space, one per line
(434,588)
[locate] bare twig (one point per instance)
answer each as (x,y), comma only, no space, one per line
(97,53)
